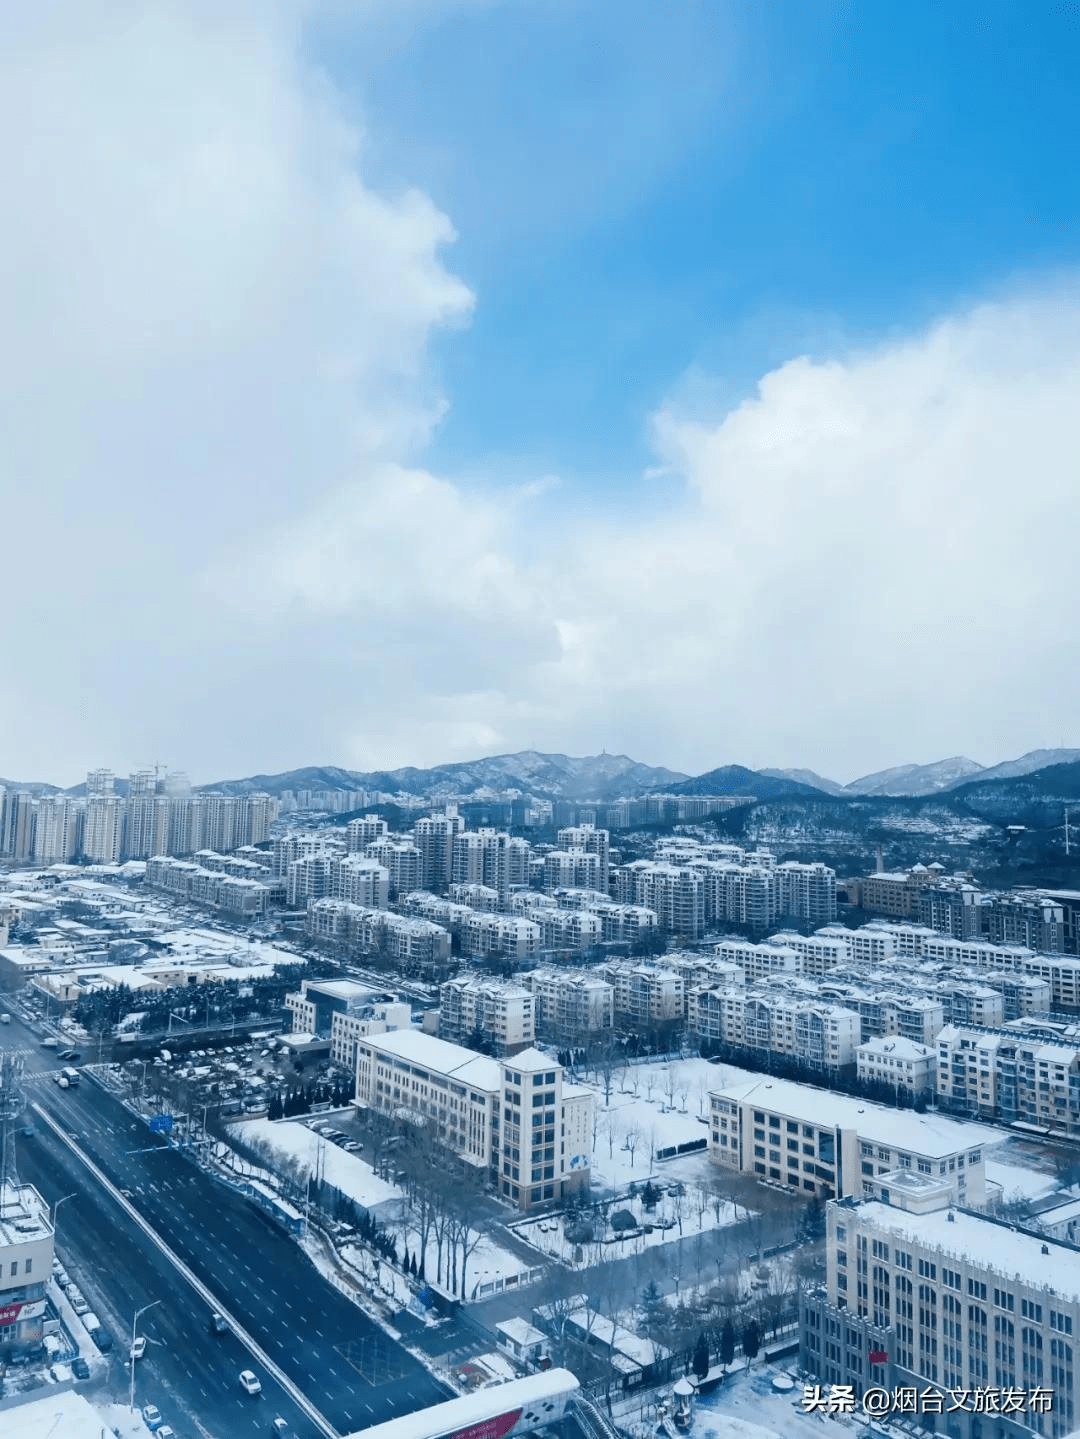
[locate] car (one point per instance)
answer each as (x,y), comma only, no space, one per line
(69,1056)
(63,1278)
(280,1428)
(152,1417)
(103,1339)
(62,1081)
(27,1131)
(138,1349)
(80,1368)
(218,1323)
(166,1432)
(79,1304)
(249,1382)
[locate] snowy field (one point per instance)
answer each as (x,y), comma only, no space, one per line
(675,1217)
(1019,1182)
(652,1107)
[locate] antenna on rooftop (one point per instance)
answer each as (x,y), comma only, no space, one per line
(11,1103)
(1066,833)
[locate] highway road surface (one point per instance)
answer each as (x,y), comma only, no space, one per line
(339,1358)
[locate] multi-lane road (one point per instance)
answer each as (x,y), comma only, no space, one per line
(343,1363)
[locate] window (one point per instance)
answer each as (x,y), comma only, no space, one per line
(1030,1310)
(29,1265)
(1004,1300)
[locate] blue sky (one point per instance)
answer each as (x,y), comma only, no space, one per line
(643,190)
(782,297)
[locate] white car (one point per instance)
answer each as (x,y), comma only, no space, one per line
(138,1349)
(249,1382)
(152,1417)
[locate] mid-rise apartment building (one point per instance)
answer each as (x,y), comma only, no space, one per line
(759,961)
(503,1011)
(573,930)
(571,1006)
(907,1065)
(645,995)
(1010,1075)
(417,945)
(833,1146)
(505,934)
(820,1036)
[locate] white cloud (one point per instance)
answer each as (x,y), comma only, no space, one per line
(223,549)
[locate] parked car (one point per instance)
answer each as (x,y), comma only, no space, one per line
(103,1339)
(249,1382)
(152,1417)
(80,1368)
(166,1432)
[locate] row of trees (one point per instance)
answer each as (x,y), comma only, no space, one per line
(784,1067)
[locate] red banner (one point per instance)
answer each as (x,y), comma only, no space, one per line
(9,1313)
(878,1356)
(488,1428)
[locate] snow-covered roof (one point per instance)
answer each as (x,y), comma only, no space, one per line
(440,1056)
(993,1247)
(532,1060)
(64,1413)
(897,1046)
(928,1135)
(344,1172)
(473,1409)
(520,1331)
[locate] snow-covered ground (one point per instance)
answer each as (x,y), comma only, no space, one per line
(652,1107)
(699,1215)
(1019,1181)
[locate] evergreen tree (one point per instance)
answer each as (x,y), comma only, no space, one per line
(653,1308)
(751,1340)
(700,1362)
(727,1343)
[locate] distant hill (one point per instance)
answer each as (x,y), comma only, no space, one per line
(917,779)
(33,786)
(737,779)
(1036,759)
(603,777)
(805,776)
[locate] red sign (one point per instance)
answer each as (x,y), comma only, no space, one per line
(9,1313)
(488,1428)
(878,1356)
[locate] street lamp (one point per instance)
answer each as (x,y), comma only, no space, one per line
(55,1207)
(131,1355)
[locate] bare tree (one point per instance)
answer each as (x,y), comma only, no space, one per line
(631,1141)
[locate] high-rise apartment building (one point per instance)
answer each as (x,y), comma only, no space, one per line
(434,837)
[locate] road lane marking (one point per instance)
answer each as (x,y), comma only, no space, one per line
(293,1390)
